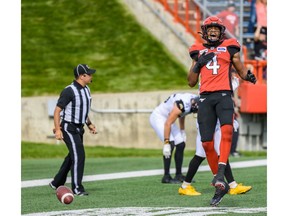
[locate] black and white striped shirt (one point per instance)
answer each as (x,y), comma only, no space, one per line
(75,102)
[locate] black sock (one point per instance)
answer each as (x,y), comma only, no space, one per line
(221,170)
(228,173)
(178,157)
(193,167)
(167,162)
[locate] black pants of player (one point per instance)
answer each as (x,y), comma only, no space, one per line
(211,107)
(75,160)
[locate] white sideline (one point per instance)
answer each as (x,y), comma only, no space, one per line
(99,177)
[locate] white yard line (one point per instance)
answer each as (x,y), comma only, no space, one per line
(155,211)
(120,175)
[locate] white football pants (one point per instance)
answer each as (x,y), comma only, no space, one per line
(217,138)
(157,122)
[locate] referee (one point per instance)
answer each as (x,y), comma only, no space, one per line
(70,116)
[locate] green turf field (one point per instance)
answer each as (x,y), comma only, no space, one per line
(138,191)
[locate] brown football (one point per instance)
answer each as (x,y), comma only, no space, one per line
(64,194)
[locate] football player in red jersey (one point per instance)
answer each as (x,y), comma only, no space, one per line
(212,62)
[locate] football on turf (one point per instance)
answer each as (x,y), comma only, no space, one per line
(64,194)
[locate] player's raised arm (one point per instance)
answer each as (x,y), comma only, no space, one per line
(242,70)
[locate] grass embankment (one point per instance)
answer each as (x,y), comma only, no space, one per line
(58,35)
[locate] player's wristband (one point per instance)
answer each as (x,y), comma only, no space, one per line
(196,68)
(166,141)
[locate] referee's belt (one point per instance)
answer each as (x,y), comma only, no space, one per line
(77,125)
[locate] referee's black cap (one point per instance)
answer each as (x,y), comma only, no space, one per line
(83,69)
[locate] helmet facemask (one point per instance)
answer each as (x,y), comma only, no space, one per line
(213,22)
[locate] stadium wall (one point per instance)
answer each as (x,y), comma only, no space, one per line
(122,120)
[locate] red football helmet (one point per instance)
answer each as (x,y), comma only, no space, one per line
(209,22)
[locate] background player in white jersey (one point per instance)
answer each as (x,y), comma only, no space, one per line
(163,121)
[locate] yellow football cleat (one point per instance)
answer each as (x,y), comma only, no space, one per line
(189,190)
(240,189)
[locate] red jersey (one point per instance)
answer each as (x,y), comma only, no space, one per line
(215,75)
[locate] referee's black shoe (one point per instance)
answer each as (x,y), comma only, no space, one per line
(222,188)
(82,193)
(180,177)
(167,179)
(52,186)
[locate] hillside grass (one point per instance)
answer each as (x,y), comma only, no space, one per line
(58,35)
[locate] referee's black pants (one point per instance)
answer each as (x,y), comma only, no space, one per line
(75,160)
